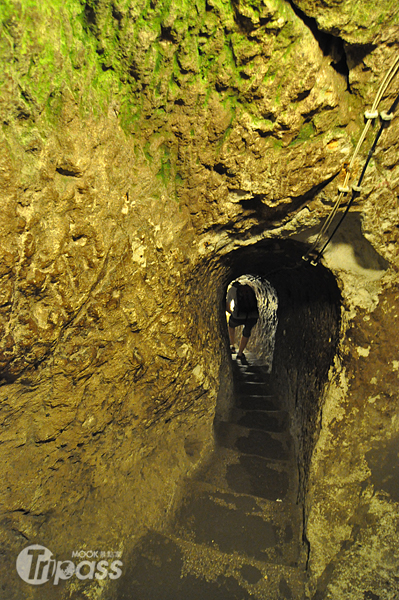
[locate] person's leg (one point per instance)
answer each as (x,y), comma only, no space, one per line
(250,323)
(232,333)
(232,336)
(243,345)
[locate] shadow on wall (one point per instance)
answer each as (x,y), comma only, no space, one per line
(306,343)
(349,250)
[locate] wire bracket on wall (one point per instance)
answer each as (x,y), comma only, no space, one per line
(386,116)
(371,114)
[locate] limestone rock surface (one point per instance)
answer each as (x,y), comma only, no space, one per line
(142,143)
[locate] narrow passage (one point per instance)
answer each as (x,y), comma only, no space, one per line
(238,534)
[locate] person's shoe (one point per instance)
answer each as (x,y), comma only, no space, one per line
(233,350)
(242,358)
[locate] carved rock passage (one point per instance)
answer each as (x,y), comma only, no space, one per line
(141,144)
(238,532)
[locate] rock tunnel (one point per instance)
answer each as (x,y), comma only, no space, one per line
(151,152)
(247,504)
(307,333)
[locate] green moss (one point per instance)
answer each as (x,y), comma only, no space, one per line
(103,52)
(306,133)
(165,170)
(277,144)
(147,152)
(50,40)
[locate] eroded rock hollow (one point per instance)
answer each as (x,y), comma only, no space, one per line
(150,152)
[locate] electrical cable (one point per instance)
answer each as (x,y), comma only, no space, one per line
(344,189)
(356,189)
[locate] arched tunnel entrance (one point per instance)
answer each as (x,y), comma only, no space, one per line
(239,532)
(262,335)
(306,335)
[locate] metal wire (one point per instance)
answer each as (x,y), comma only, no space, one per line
(370,115)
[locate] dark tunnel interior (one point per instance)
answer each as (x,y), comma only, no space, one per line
(307,333)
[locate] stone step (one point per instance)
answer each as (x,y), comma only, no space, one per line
(252,363)
(273,446)
(251,388)
(231,522)
(265,402)
(271,421)
(166,567)
(233,471)
(251,377)
(246,502)
(251,373)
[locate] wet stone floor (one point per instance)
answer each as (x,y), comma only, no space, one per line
(238,533)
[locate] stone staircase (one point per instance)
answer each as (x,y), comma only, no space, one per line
(238,533)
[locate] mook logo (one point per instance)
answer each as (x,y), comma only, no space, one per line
(36,565)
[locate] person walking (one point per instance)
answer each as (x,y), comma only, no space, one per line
(243,308)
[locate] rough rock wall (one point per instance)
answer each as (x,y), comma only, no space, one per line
(353,502)
(142,142)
